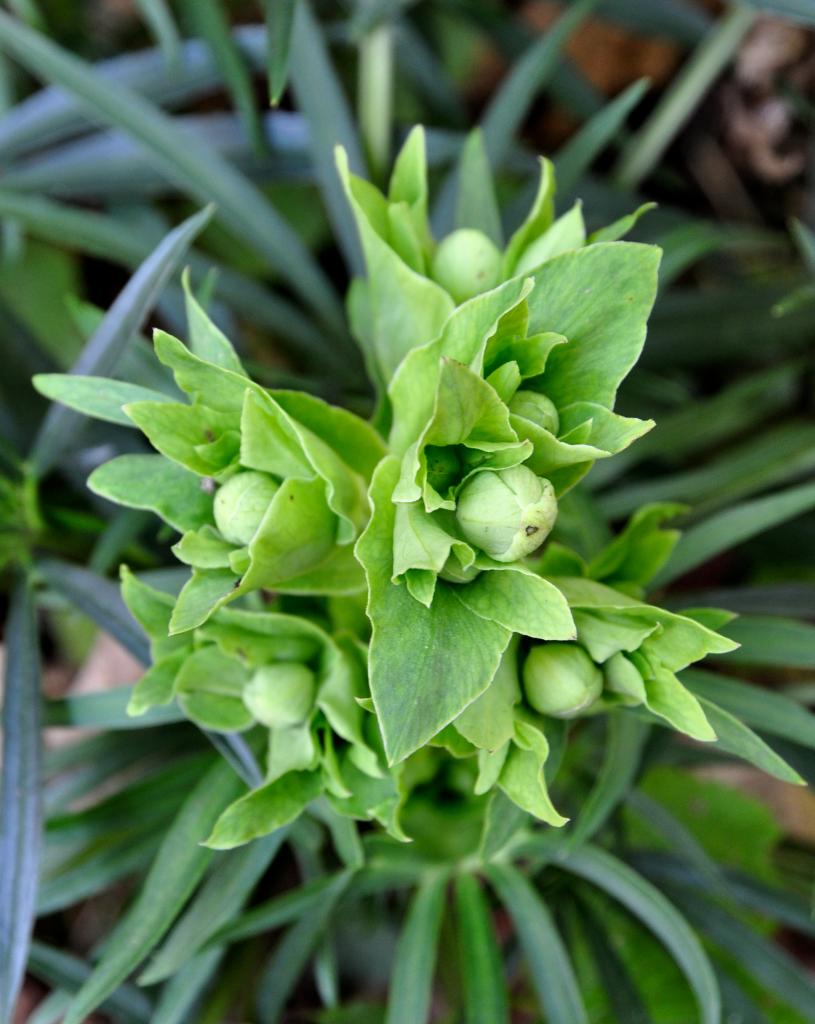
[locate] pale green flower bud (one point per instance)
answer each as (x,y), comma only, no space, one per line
(466,264)
(281,694)
(453,571)
(443,467)
(507,514)
(241,503)
(560,679)
(537,408)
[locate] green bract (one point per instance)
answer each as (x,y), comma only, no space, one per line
(267,487)
(497,374)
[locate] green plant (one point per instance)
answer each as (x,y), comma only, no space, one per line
(431,716)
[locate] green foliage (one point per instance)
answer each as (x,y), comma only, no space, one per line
(440,603)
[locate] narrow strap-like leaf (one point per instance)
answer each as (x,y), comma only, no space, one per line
(476,205)
(183,990)
(321,99)
(486,999)
(291,956)
(656,913)
(208,19)
(122,321)
(573,159)
(20,795)
(159,19)
(100,600)
(550,968)
(412,979)
(192,164)
(64,971)
(626,735)
(512,99)
(176,871)
(734,526)
(219,899)
(279,25)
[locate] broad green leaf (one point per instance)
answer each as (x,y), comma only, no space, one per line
(279,25)
(124,318)
(410,992)
(219,900)
(207,341)
(407,310)
(20,794)
(176,871)
(621,763)
(297,533)
(98,397)
(157,685)
(734,526)
(656,913)
(515,599)
(444,678)
(566,234)
(546,956)
(486,998)
(204,592)
(537,221)
(599,298)
(522,775)
(154,483)
(489,722)
(204,549)
(194,165)
(203,440)
(476,206)
(265,809)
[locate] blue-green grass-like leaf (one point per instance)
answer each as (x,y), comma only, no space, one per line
(124,318)
(649,905)
(193,164)
(546,956)
(176,871)
(411,983)
(20,795)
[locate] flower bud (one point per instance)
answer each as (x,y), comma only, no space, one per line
(443,467)
(560,679)
(454,572)
(507,514)
(280,694)
(467,263)
(537,408)
(241,503)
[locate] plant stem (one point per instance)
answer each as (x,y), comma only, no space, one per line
(680,100)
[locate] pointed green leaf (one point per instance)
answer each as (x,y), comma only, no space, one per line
(264,810)
(485,989)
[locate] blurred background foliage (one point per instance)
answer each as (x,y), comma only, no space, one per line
(119,119)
